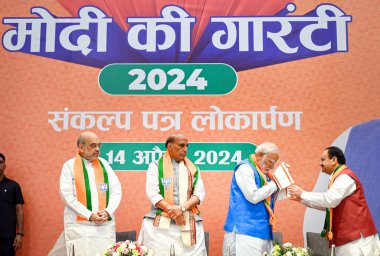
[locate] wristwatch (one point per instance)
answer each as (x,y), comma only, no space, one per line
(20,234)
(183,209)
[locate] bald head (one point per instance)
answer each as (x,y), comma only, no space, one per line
(89,145)
(85,136)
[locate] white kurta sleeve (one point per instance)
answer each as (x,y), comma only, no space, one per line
(342,187)
(152,185)
(67,191)
(199,190)
(114,188)
(281,195)
(245,179)
(312,205)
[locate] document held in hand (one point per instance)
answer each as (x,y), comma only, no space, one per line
(282,176)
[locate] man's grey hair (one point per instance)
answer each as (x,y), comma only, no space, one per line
(81,140)
(267,148)
(172,138)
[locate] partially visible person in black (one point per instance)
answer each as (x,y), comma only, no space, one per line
(12,213)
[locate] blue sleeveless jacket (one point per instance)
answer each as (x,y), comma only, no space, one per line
(244,217)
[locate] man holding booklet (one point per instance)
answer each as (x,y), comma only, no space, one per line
(348,224)
(250,216)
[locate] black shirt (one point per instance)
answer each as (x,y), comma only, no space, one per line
(10,195)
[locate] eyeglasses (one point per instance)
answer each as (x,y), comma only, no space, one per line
(271,161)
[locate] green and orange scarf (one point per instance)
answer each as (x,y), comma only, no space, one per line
(263,181)
(327,230)
(82,184)
(188,178)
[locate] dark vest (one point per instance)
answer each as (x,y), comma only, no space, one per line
(352,218)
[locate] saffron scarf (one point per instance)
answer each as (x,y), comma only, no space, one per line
(82,184)
(263,181)
(326,232)
(188,177)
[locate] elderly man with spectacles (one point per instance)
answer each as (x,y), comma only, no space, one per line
(250,215)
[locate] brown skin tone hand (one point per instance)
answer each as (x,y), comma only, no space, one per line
(295,192)
(17,243)
(97,218)
(175,211)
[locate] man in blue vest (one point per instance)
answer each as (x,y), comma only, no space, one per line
(250,213)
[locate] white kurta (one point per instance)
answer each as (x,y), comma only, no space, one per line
(342,187)
(85,238)
(244,245)
(160,240)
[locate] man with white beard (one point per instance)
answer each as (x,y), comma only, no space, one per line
(250,216)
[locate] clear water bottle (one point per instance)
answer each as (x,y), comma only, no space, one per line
(172,250)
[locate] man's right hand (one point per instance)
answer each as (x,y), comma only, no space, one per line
(175,212)
(180,221)
(17,243)
(104,215)
(96,218)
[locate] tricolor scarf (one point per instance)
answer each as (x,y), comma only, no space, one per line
(263,181)
(326,232)
(82,184)
(188,177)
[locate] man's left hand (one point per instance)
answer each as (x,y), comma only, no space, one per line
(17,243)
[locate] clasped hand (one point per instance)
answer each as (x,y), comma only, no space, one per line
(99,217)
(175,212)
